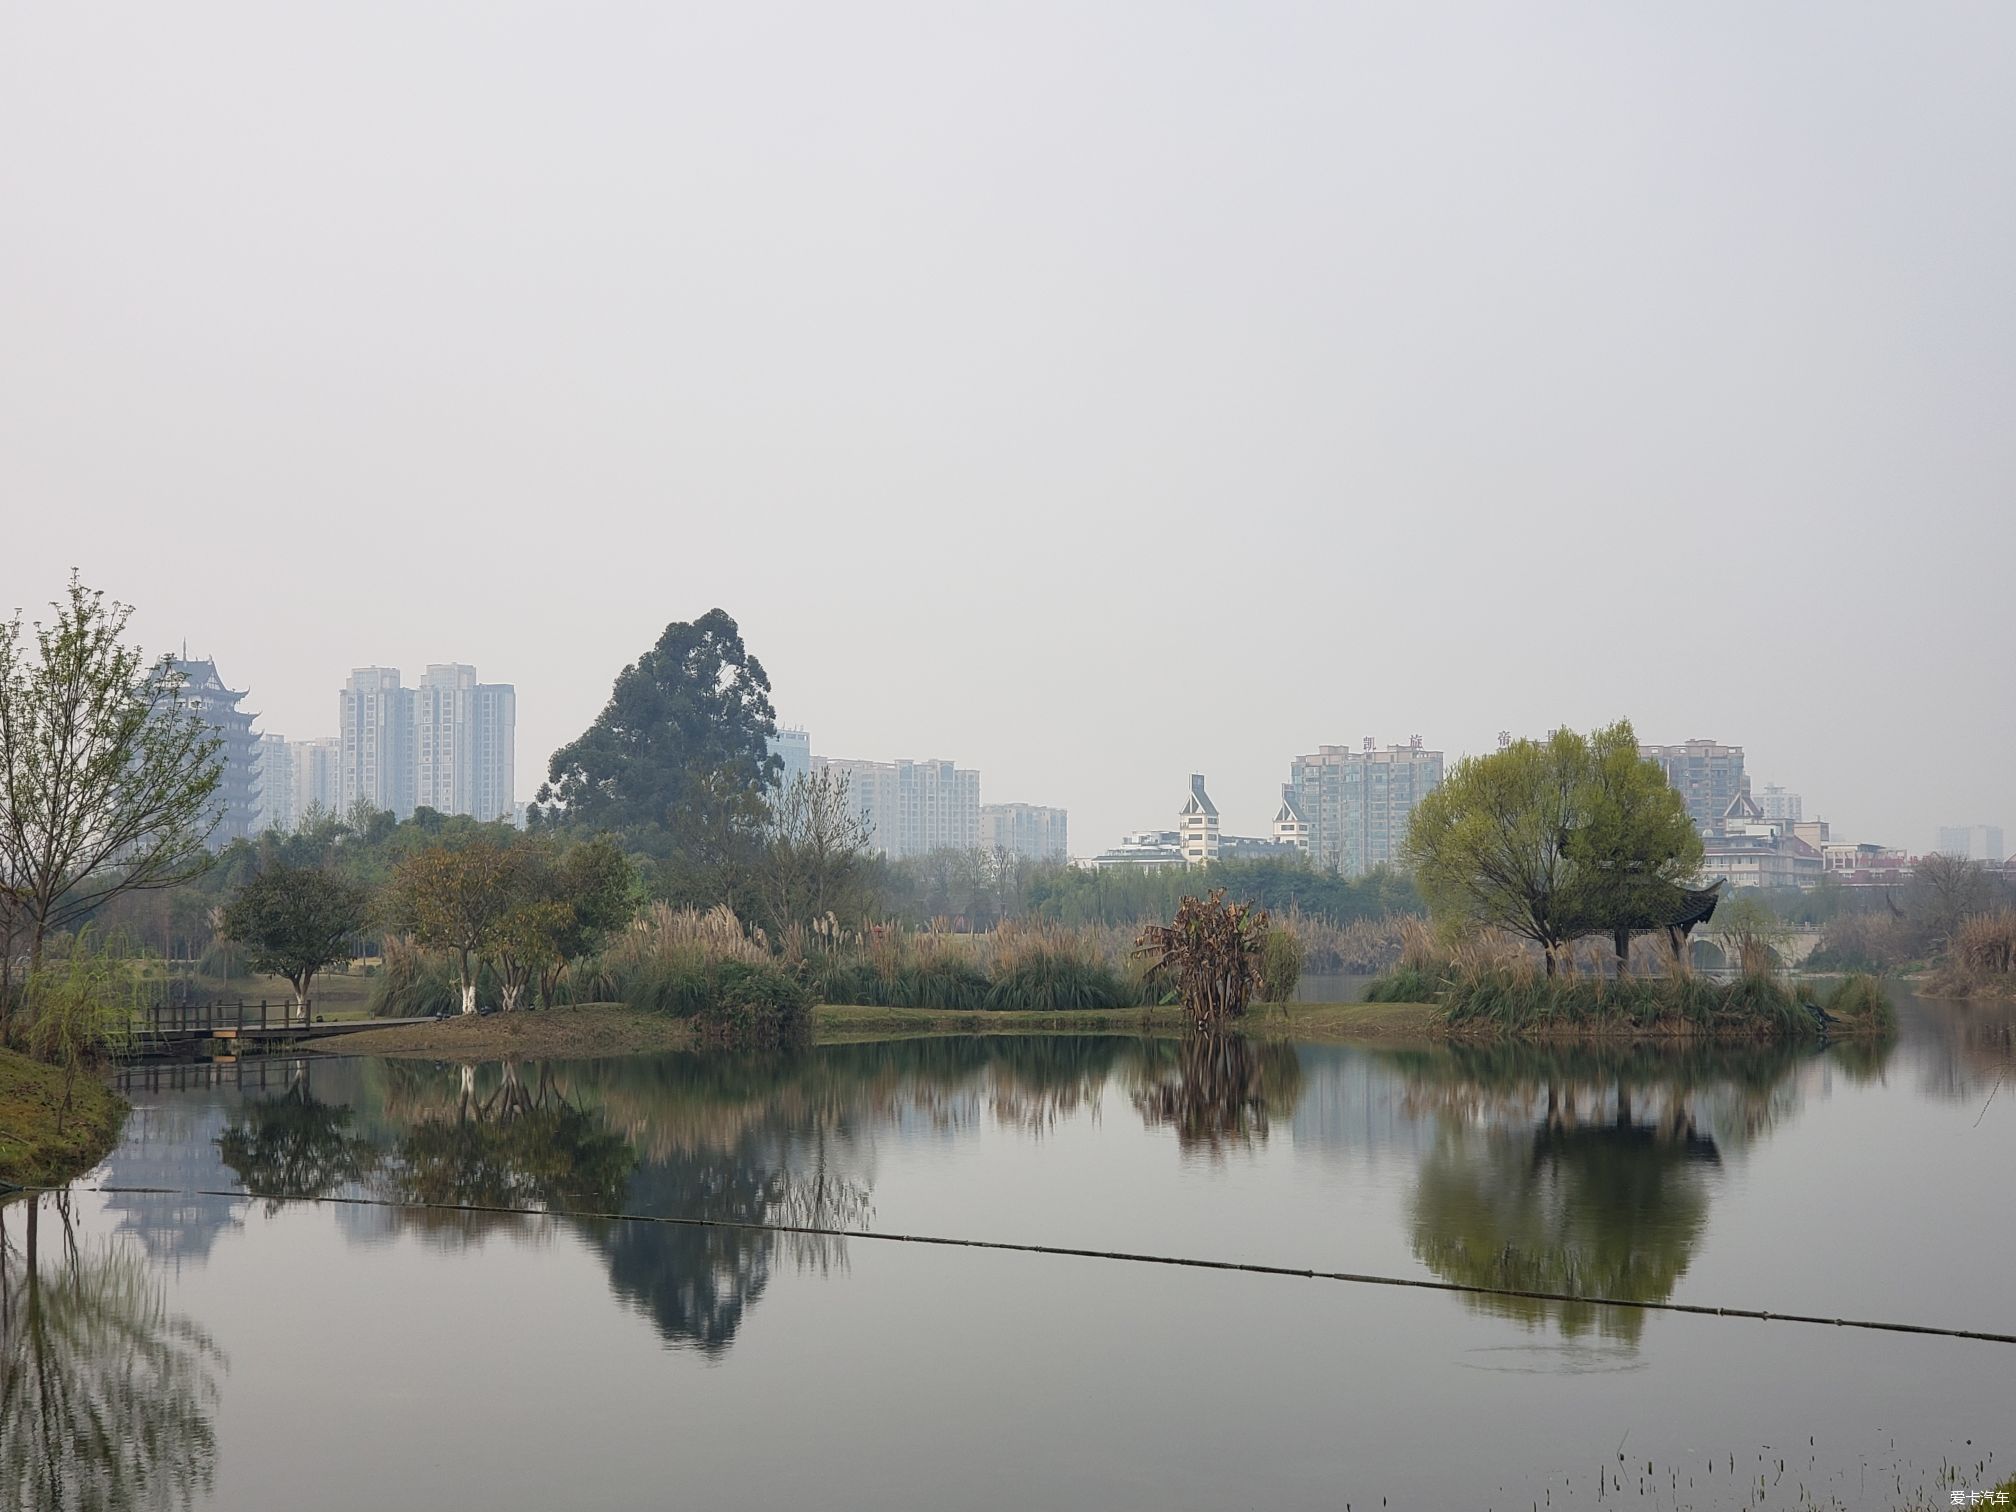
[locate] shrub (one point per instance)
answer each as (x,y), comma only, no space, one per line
(1499,999)
(1280,964)
(1985,945)
(1046,982)
(414,983)
(1859,1001)
(755,1004)
(81,1011)
(1403,984)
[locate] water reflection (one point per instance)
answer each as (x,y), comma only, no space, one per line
(105,1395)
(294,1145)
(1582,1171)
(1218,1091)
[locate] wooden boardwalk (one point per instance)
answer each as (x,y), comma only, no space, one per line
(239,1028)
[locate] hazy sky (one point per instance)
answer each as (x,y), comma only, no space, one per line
(1092,393)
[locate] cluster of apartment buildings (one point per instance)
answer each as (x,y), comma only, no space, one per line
(1344,808)
(448,744)
(912,808)
(1765,839)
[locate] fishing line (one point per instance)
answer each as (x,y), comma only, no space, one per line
(1183,1262)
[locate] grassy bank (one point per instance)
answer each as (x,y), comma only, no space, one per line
(580,1031)
(34,1150)
(1491,989)
(598,1029)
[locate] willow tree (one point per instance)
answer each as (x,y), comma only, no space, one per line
(1553,840)
(108,778)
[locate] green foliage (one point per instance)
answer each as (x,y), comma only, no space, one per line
(564,900)
(1405,983)
(1859,1000)
(294,921)
(53,1127)
(1280,965)
(1051,981)
(1554,841)
(457,901)
(756,1004)
(691,712)
(1075,895)
(414,982)
(1040,968)
(81,1010)
(1521,1000)
(225,960)
(110,778)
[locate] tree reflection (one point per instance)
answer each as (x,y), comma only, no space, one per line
(697,1282)
(294,1146)
(1578,1172)
(1216,1089)
(516,1150)
(105,1395)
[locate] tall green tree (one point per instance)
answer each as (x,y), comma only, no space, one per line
(108,779)
(1636,848)
(687,727)
(1553,840)
(1490,845)
(294,921)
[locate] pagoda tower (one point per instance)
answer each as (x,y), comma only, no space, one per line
(237,799)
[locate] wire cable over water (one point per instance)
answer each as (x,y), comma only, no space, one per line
(1182,1262)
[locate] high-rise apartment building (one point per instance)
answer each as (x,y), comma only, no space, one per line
(444,723)
(1356,803)
(1027,831)
(277,808)
(236,802)
(1975,842)
(1707,776)
(493,791)
(318,776)
(912,808)
(1779,806)
(448,745)
(374,720)
(794,748)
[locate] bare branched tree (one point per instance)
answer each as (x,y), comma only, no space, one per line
(815,849)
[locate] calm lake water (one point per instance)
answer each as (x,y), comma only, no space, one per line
(193,1345)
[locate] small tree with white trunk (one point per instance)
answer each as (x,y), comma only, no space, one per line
(456,900)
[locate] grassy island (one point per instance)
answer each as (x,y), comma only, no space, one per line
(599,1029)
(40,1143)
